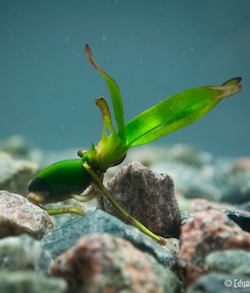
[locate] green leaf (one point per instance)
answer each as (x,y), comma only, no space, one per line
(103,105)
(176,112)
(115,96)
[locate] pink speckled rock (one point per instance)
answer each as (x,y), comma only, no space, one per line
(206,232)
(19,216)
(146,196)
(201,204)
(99,263)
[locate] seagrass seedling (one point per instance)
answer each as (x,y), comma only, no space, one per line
(66,179)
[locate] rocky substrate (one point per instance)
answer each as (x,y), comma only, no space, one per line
(198,203)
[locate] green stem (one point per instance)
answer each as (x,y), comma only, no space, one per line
(64,211)
(119,208)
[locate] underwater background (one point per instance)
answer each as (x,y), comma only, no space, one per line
(152,49)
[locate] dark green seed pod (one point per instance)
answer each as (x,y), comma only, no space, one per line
(59,181)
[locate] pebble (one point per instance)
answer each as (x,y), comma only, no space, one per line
(25,267)
(16,146)
(239,191)
(200,204)
(218,282)
(15,174)
(24,253)
(63,237)
(192,181)
(102,263)
(214,249)
(146,196)
(31,282)
(19,216)
(206,232)
(235,262)
(241,217)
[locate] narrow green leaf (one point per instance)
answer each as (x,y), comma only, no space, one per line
(103,105)
(176,112)
(115,96)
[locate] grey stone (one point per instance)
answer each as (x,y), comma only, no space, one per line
(196,173)
(16,146)
(239,191)
(24,253)
(191,181)
(187,215)
(66,235)
(235,262)
(166,277)
(202,189)
(30,282)
(15,174)
(221,283)
(244,206)
(241,218)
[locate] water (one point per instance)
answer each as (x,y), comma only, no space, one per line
(153,49)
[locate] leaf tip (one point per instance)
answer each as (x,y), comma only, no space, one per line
(227,90)
(89,56)
(87,50)
(234,80)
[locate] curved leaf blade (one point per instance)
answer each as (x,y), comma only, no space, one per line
(115,96)
(176,112)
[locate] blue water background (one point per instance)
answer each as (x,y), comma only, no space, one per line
(153,49)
